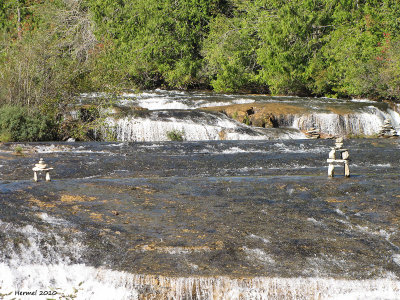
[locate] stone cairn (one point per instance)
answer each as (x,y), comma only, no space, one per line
(313,133)
(332,160)
(387,130)
(41,167)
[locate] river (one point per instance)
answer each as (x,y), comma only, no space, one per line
(211,219)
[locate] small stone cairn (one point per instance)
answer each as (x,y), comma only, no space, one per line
(313,133)
(41,167)
(387,130)
(332,160)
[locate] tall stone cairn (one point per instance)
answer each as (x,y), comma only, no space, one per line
(387,130)
(313,133)
(343,159)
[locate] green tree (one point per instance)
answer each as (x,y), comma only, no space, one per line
(230,50)
(157,42)
(50,60)
(353,57)
(291,35)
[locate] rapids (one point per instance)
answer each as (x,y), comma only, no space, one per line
(179,111)
(243,219)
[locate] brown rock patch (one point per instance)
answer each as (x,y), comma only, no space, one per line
(258,114)
(41,204)
(73,199)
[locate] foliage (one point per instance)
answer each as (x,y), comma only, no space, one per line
(50,51)
(18,150)
(89,124)
(19,125)
(5,136)
(50,57)
(229,53)
(175,135)
(157,42)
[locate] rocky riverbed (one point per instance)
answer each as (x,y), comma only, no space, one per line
(202,215)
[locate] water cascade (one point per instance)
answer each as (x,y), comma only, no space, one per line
(361,123)
(39,261)
(181,111)
(193,125)
(200,220)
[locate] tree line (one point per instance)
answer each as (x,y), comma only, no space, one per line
(50,50)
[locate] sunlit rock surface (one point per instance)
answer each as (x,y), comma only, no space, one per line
(201,220)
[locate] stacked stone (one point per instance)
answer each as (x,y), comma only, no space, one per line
(387,130)
(344,154)
(41,167)
(313,133)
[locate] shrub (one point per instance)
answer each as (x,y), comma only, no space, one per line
(175,135)
(5,136)
(18,150)
(17,124)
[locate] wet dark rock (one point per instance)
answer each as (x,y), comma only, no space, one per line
(251,208)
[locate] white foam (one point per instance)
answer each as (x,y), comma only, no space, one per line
(394,118)
(382,165)
(24,267)
(115,145)
(381,232)
(86,282)
(81,281)
(234,150)
(163,100)
(367,164)
(259,255)
(243,101)
(300,148)
(256,237)
(144,129)
(339,212)
(61,149)
(396,259)
(316,222)
(52,148)
(51,220)
(247,169)
(155,104)
(292,166)
(362,100)
(367,122)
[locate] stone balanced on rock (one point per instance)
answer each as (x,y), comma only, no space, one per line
(41,167)
(313,133)
(387,130)
(332,160)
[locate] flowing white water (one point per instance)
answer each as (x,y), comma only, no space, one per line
(36,266)
(85,282)
(395,118)
(210,127)
(366,118)
(368,122)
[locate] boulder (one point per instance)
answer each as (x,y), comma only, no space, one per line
(257,114)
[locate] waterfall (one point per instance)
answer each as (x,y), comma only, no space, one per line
(194,126)
(367,122)
(32,260)
(198,125)
(168,111)
(87,282)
